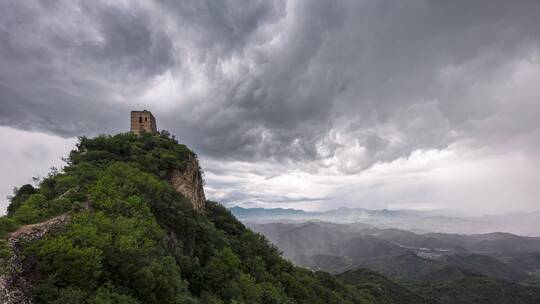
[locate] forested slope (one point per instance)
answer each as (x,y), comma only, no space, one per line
(132,238)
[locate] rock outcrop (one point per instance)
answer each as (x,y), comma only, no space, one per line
(188,181)
(17,276)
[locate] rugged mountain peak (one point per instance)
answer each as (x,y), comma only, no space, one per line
(187,179)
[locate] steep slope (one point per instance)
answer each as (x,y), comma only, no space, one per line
(131,237)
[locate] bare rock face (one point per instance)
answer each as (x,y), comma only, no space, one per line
(188,181)
(17,276)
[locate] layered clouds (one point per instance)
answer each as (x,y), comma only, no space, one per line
(315,104)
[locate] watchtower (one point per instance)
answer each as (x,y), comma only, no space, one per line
(143,121)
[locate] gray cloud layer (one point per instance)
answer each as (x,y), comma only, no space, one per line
(342,84)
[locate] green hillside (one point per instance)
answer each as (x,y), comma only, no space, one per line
(133,239)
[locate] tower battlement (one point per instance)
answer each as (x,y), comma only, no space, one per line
(143,121)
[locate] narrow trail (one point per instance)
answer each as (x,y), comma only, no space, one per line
(31,229)
(15,287)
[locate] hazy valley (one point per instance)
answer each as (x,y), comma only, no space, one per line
(417,258)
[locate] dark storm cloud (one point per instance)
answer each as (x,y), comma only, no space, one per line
(364,81)
(64,64)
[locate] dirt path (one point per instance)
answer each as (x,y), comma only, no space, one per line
(43,227)
(15,288)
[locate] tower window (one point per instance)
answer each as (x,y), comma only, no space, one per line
(146,119)
(140,119)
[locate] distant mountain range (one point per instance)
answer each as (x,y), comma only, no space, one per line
(402,254)
(442,221)
(413,256)
(342,214)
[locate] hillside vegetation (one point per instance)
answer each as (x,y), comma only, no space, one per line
(133,239)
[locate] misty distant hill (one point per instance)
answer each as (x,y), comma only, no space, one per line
(341,215)
(492,243)
(403,254)
(437,221)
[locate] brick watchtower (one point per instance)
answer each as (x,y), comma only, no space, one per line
(143,121)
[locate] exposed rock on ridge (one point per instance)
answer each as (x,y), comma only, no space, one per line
(16,279)
(188,181)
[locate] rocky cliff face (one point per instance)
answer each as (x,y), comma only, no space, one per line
(188,182)
(17,276)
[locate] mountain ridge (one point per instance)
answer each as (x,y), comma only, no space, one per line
(418,221)
(131,237)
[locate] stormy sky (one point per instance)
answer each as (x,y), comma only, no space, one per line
(304,104)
